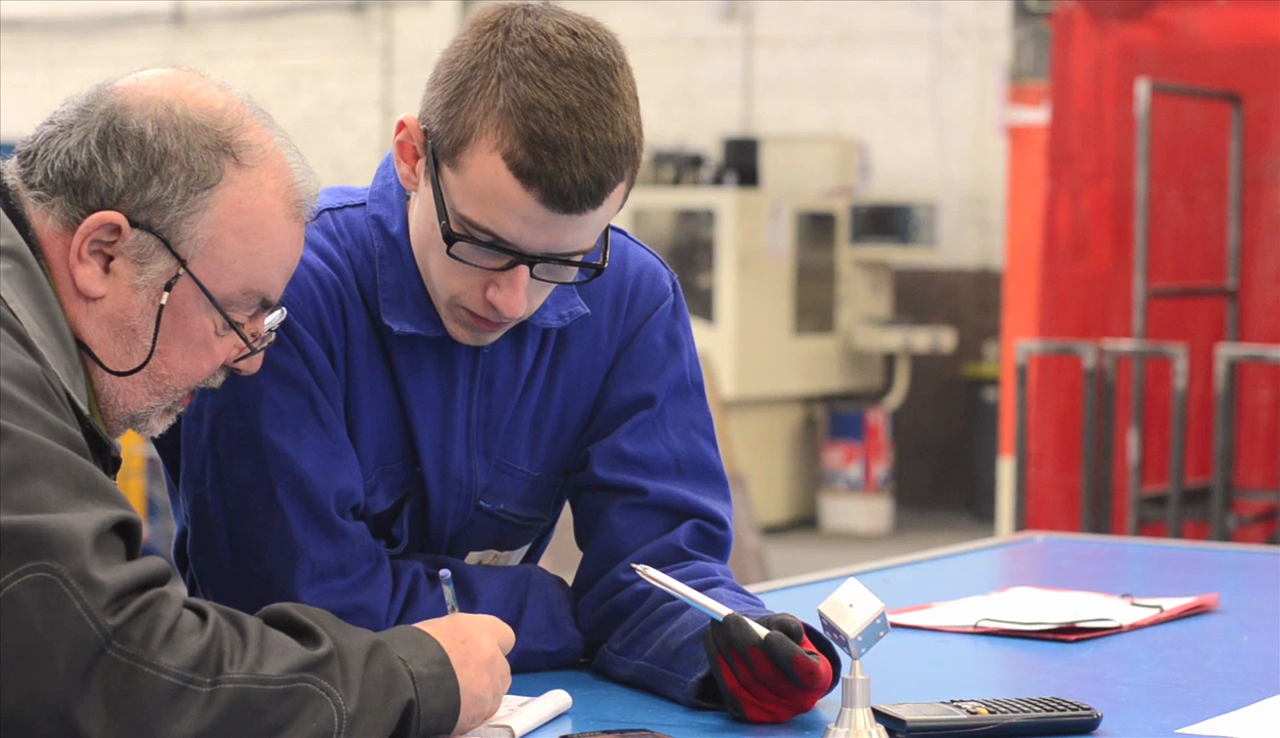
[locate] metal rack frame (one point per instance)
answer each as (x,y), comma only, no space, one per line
(1097,490)
(1138,349)
(1144,89)
(1226,357)
(1088,355)
(1112,350)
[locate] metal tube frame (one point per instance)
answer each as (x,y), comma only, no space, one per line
(1226,356)
(1088,355)
(1112,350)
(1144,88)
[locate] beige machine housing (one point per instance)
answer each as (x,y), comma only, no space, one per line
(785,311)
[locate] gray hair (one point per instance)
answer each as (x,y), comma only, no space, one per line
(157,159)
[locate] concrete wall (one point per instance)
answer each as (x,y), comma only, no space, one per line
(920,83)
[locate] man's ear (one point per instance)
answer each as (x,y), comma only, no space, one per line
(95,259)
(408,148)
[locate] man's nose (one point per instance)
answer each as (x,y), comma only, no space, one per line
(508,292)
(249,366)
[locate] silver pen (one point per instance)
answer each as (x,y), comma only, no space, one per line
(693,597)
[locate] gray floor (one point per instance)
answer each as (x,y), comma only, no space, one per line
(805,550)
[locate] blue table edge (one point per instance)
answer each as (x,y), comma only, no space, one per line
(995,542)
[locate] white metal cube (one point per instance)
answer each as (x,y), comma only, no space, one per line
(854,618)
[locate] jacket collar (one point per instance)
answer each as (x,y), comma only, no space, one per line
(402,297)
(25,287)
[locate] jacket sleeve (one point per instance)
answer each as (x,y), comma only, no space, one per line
(272,496)
(100,641)
(654,492)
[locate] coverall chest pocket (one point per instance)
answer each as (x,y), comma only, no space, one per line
(515,507)
(393,496)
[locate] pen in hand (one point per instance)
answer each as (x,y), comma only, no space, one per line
(692,597)
(450,594)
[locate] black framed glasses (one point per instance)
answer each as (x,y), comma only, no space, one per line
(494,258)
(255,344)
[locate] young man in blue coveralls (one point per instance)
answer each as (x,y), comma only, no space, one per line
(469,346)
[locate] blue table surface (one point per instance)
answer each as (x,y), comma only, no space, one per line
(1146,682)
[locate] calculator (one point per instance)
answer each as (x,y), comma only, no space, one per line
(994,717)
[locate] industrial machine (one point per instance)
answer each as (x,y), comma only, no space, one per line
(790,286)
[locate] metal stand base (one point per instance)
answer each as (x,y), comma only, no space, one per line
(855,719)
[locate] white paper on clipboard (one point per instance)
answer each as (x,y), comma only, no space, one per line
(1033,609)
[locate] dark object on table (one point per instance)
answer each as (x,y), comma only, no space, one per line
(990,717)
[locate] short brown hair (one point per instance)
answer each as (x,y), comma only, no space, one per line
(552,89)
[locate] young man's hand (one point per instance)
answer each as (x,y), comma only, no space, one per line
(477,646)
(770,679)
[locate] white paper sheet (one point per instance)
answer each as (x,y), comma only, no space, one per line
(492,557)
(1259,720)
(520,715)
(1031,609)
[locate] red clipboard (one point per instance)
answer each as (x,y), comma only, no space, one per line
(1070,630)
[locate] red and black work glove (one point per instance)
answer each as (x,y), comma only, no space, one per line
(770,679)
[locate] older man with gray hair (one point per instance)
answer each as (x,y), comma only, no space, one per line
(111,209)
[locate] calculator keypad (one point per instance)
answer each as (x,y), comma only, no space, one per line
(1019,706)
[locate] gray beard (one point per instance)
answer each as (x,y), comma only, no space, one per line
(153,422)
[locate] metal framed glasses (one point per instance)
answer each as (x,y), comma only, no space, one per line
(495,258)
(256,340)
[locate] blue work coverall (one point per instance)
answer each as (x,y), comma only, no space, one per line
(372,450)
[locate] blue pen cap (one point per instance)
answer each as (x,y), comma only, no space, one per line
(450,596)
